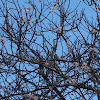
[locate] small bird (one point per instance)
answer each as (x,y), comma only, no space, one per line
(56,57)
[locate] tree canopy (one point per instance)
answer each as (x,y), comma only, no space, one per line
(49,50)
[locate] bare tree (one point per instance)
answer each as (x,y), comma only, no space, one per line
(49,51)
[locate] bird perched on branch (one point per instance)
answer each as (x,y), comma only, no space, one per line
(56,57)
